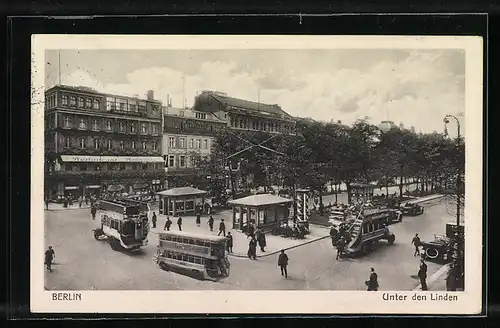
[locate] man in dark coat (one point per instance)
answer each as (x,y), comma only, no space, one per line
(372,283)
(262,241)
(153,220)
(93,211)
(422,274)
(211,223)
(251,230)
(168,223)
(252,249)
(198,219)
(417,243)
(229,243)
(50,255)
(283,263)
(340,248)
(46,203)
(179,223)
(222,228)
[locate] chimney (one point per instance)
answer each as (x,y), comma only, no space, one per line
(150,95)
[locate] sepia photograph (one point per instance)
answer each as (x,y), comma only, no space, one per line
(256,174)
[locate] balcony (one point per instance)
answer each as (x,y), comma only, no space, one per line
(105,174)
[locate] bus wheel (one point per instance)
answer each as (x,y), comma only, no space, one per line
(432,253)
(97,234)
(197,274)
(391,239)
(164,266)
(114,244)
(367,248)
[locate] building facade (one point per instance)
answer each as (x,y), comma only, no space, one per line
(94,141)
(187,137)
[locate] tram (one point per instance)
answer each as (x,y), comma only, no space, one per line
(124,224)
(370,226)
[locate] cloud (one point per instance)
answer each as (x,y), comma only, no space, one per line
(417,91)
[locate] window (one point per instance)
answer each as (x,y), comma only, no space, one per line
(171,161)
(182,161)
(109,144)
(133,144)
(88,103)
(122,127)
(144,145)
(201,116)
(81,102)
(72,101)
(108,126)
(110,103)
(67,142)
(198,143)
(155,129)
(155,145)
(132,106)
(83,143)
(132,127)
(182,142)
(144,128)
(67,122)
(142,106)
(121,104)
(97,104)
(95,125)
(122,145)
(83,166)
(205,144)
(82,124)
(97,143)
(171,142)
(191,143)
(64,100)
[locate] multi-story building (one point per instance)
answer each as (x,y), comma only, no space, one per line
(245,115)
(95,140)
(187,137)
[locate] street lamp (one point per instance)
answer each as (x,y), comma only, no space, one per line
(457,268)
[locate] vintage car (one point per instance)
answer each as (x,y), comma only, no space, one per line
(411,209)
(437,250)
(393,215)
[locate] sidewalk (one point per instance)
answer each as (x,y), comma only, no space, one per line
(240,241)
(437,281)
(59,207)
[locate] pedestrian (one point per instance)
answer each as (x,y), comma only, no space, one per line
(198,219)
(372,283)
(153,219)
(46,203)
(86,200)
(65,202)
(252,249)
(340,247)
(168,223)
(417,243)
(179,223)
(50,255)
(93,211)
(262,241)
(422,274)
(80,201)
(283,263)
(229,244)
(211,223)
(222,228)
(251,230)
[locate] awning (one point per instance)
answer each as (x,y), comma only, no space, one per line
(115,188)
(70,187)
(93,187)
(140,185)
(112,159)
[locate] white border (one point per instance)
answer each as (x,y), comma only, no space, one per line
(286,302)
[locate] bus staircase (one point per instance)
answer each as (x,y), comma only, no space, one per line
(355,230)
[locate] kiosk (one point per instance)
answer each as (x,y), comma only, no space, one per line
(181,200)
(264,210)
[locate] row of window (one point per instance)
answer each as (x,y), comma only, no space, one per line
(367,228)
(98,143)
(260,125)
(181,161)
(192,143)
(81,102)
(50,101)
(184,240)
(126,105)
(183,257)
(109,166)
(96,125)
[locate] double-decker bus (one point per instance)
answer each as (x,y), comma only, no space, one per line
(123,224)
(201,256)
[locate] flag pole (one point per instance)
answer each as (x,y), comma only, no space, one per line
(59,60)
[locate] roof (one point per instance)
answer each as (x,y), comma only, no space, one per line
(246,104)
(260,200)
(186,234)
(182,191)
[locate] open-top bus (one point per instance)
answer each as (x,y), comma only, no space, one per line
(201,256)
(123,224)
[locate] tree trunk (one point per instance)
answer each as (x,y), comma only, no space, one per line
(348,187)
(401,182)
(386,189)
(336,194)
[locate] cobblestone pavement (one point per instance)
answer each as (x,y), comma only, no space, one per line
(83,263)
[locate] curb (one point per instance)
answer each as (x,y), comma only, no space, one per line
(276,252)
(67,209)
(439,273)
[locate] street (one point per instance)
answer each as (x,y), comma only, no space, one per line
(83,263)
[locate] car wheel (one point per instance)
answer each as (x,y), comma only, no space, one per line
(391,239)
(97,234)
(114,244)
(432,253)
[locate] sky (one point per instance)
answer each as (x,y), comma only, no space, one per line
(415,87)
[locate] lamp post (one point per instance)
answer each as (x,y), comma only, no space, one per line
(457,265)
